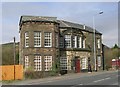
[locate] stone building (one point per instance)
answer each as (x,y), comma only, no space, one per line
(46,42)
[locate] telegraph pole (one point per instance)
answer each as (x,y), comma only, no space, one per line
(14,56)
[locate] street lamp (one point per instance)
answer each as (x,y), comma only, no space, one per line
(95,40)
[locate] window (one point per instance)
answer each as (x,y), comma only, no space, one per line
(48,63)
(61,42)
(63,63)
(37,39)
(75,41)
(56,39)
(67,41)
(84,43)
(26,62)
(99,61)
(37,63)
(26,39)
(48,39)
(98,43)
(79,42)
(84,63)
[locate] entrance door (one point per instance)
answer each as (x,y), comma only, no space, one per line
(77,66)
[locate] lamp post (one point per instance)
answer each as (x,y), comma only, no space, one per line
(95,40)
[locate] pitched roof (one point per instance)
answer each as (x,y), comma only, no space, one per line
(63,24)
(37,18)
(75,25)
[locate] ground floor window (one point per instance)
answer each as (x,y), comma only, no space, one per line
(37,63)
(48,63)
(84,63)
(63,63)
(26,63)
(99,61)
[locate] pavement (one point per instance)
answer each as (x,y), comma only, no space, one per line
(69,76)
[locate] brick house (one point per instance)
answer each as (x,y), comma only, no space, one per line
(46,42)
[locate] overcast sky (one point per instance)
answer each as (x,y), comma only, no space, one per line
(78,12)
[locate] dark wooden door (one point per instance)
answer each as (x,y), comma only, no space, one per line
(77,66)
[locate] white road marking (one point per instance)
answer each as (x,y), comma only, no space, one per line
(80,84)
(115,84)
(107,78)
(102,79)
(99,80)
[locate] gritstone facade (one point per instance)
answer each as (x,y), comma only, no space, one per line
(46,42)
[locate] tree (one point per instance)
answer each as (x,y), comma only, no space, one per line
(115,46)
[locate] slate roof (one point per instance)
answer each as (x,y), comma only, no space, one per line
(63,24)
(37,18)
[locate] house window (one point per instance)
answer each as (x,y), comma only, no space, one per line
(48,63)
(61,42)
(98,43)
(37,39)
(26,39)
(48,39)
(75,41)
(63,63)
(56,39)
(99,61)
(26,62)
(84,43)
(79,42)
(37,63)
(84,63)
(68,41)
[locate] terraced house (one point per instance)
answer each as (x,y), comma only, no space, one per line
(46,42)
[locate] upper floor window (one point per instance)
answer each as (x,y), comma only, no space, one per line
(98,43)
(26,39)
(79,42)
(67,41)
(75,41)
(48,39)
(37,63)
(37,39)
(48,63)
(61,42)
(84,42)
(56,39)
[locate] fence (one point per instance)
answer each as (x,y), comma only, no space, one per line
(11,72)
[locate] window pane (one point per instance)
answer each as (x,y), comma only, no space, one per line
(37,63)
(79,42)
(84,43)
(75,41)
(99,60)
(98,43)
(26,39)
(84,63)
(48,39)
(26,62)
(48,63)
(63,63)
(37,39)
(68,41)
